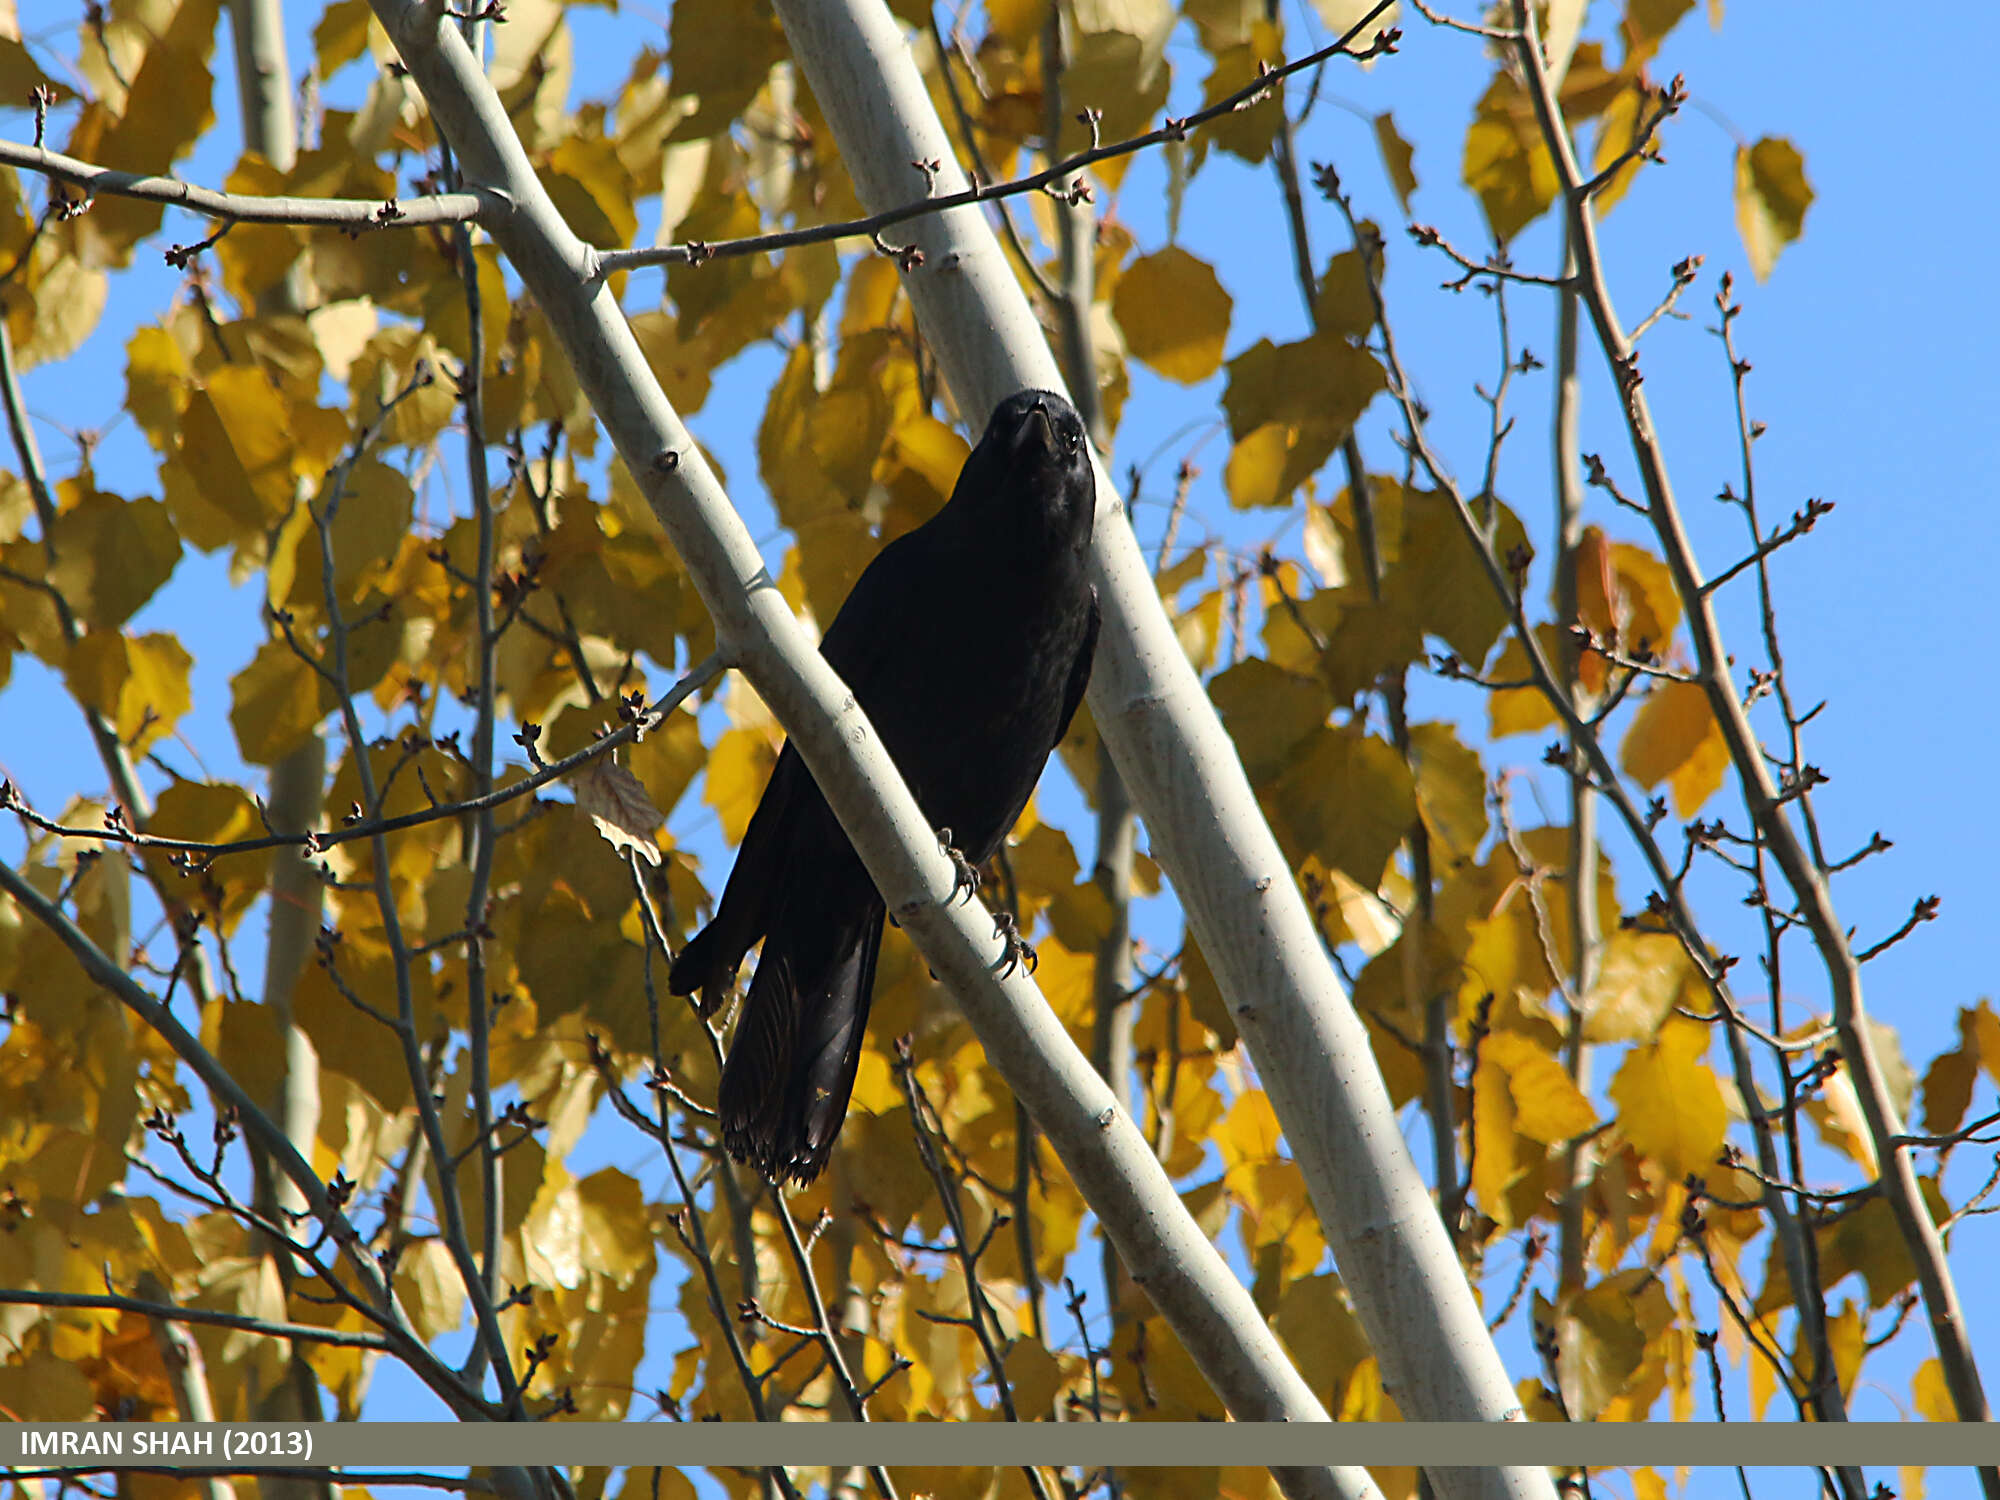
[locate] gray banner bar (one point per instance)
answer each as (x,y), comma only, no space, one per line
(1090,1444)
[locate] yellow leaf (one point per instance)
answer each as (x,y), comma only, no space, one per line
(1930,1395)
(235,445)
(681,365)
(668,758)
(20,76)
(1772,196)
(1199,628)
(1174,313)
(1649,607)
(1499,1151)
(340,330)
(165,110)
(1258,465)
(1364,1399)
(428,1283)
(642,1483)
(42,1388)
(1343,302)
(372,513)
(722,52)
(1505,162)
(156,691)
(1983,1029)
(1548,1106)
(384,372)
(1248,130)
(1617,133)
(1868,1240)
(1222,24)
(68,297)
(1948,1090)
(213,814)
(1019,21)
(1398,158)
(1674,738)
(1561,20)
(445,313)
(575,964)
(346,1039)
(1640,977)
(157,384)
(1369,922)
(139,682)
(1646,25)
(1268,712)
(1670,1106)
(1289,406)
(1317,1323)
(738,769)
(1325,548)
(1604,1335)
(617,1234)
(275,703)
(1346,797)
(112,554)
(341,35)
(590,185)
(1847,1336)
(1249,1133)
(256,258)
(1439,583)
(1451,788)
(1035,1375)
(1120,61)
(1519,710)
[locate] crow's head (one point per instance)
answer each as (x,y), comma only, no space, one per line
(1034,462)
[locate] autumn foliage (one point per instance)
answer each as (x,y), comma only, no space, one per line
(1486,729)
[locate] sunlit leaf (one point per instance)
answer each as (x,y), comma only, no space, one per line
(277,700)
(1505,162)
(1670,1106)
(1772,196)
(1674,738)
(1175,314)
(1646,25)
(1398,158)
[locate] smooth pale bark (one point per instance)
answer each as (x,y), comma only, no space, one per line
(1162,1245)
(1202,818)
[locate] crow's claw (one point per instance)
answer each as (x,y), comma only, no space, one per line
(964,878)
(1019,950)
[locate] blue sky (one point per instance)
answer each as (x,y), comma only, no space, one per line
(1872,369)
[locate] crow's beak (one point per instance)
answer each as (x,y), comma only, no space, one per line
(1037,431)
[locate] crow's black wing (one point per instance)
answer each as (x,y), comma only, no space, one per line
(792,821)
(711,958)
(1079,670)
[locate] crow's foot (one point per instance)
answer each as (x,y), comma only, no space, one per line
(964,878)
(1018,952)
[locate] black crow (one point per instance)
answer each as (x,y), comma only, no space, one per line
(967,642)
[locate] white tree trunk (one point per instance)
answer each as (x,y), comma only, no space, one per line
(1161,1244)
(1201,816)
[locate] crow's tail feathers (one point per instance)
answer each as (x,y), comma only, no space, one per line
(797,1046)
(700,966)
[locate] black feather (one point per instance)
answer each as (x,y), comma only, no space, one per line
(968,643)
